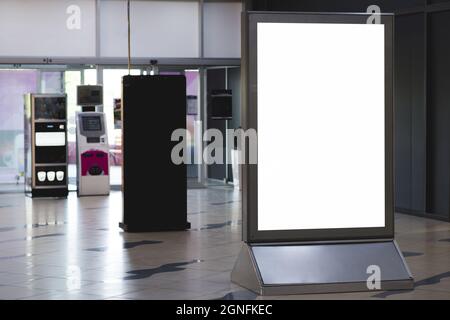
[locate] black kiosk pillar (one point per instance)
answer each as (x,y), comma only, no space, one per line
(154,188)
(318,207)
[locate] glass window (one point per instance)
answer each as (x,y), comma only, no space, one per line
(112,95)
(90,77)
(72,79)
(51,82)
(13,85)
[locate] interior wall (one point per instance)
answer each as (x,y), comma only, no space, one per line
(331,5)
(160,29)
(410,113)
(40,28)
(438,107)
(222,29)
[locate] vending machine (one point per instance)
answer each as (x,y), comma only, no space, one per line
(46,145)
(92,154)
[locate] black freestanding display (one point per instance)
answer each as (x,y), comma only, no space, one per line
(154,188)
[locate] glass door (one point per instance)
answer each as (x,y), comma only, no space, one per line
(14,83)
(112,95)
(72,78)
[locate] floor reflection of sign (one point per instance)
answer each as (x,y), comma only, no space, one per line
(117,113)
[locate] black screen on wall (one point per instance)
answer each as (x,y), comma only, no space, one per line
(92,123)
(50,108)
(221,104)
(89,95)
(154,188)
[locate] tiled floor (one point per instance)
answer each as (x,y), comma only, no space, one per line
(73,249)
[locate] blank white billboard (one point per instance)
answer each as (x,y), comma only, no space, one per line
(321,126)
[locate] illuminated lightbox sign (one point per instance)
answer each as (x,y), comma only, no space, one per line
(324,123)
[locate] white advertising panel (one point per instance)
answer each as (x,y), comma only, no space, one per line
(321,126)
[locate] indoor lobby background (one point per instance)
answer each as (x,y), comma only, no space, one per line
(42,51)
(200,40)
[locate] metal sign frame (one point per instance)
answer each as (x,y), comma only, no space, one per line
(251,234)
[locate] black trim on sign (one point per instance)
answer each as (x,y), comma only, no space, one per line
(250,108)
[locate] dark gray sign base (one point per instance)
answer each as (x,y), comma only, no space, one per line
(320,268)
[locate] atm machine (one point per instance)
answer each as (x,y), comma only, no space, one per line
(92,145)
(46,145)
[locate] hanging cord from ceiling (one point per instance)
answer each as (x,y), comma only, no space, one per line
(129,37)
